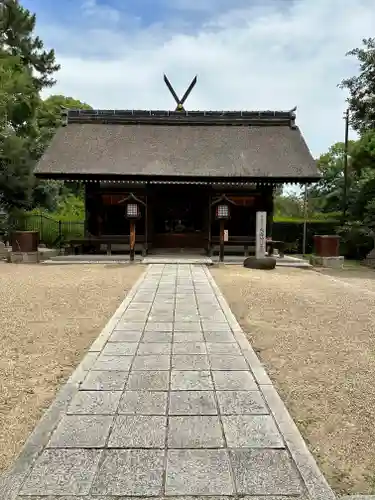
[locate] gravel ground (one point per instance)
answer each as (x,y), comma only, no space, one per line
(49,316)
(359,276)
(315,333)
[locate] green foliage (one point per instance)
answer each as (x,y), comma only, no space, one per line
(17,26)
(59,226)
(288,206)
(327,195)
(46,194)
(70,208)
(355,240)
(18,102)
(333,217)
(291,232)
(57,101)
(364,152)
(18,97)
(15,179)
(49,114)
(21,55)
(27,123)
(361,87)
(53,231)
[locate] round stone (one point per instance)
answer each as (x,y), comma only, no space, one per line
(262,263)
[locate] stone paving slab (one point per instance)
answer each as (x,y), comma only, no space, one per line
(171,401)
(208,497)
(198,472)
(192,403)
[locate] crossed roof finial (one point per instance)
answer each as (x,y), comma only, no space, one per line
(180,102)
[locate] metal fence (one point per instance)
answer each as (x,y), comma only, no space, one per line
(53,233)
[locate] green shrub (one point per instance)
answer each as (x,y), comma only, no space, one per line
(55,228)
(330,218)
(71,209)
(292,233)
(356,240)
(53,231)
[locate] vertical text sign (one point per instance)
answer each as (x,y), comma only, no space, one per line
(260,237)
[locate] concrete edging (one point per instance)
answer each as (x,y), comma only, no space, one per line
(316,484)
(358,497)
(11,482)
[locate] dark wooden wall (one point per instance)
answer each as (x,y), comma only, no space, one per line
(243,214)
(101,204)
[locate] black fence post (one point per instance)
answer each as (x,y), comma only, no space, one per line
(41,238)
(60,234)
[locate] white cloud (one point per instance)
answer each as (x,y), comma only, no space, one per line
(259,57)
(92,9)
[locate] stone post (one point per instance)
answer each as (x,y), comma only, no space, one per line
(260,235)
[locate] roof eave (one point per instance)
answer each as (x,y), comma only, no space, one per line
(161,178)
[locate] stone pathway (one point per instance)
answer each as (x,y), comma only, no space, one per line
(171,400)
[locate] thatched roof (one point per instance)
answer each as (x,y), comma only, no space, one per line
(210,145)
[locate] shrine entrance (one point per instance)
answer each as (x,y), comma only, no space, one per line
(180,217)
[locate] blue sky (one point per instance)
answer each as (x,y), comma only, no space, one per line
(248,54)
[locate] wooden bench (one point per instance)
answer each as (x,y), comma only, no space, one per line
(246,242)
(91,242)
(275,244)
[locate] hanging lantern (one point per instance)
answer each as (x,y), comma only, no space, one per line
(133,211)
(222,211)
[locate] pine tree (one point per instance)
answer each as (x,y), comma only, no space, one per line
(18,103)
(17,38)
(25,69)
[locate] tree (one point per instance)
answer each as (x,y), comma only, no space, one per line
(25,68)
(362,87)
(18,97)
(327,194)
(49,194)
(361,179)
(17,38)
(288,206)
(363,161)
(27,123)
(49,115)
(18,102)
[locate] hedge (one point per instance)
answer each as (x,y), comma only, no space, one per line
(292,233)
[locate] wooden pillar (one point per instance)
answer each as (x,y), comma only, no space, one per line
(209,243)
(85,222)
(132,240)
(100,224)
(145,247)
(222,226)
(150,218)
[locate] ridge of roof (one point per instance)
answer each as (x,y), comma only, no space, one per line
(162,117)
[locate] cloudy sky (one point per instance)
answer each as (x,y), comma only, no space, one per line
(248,54)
